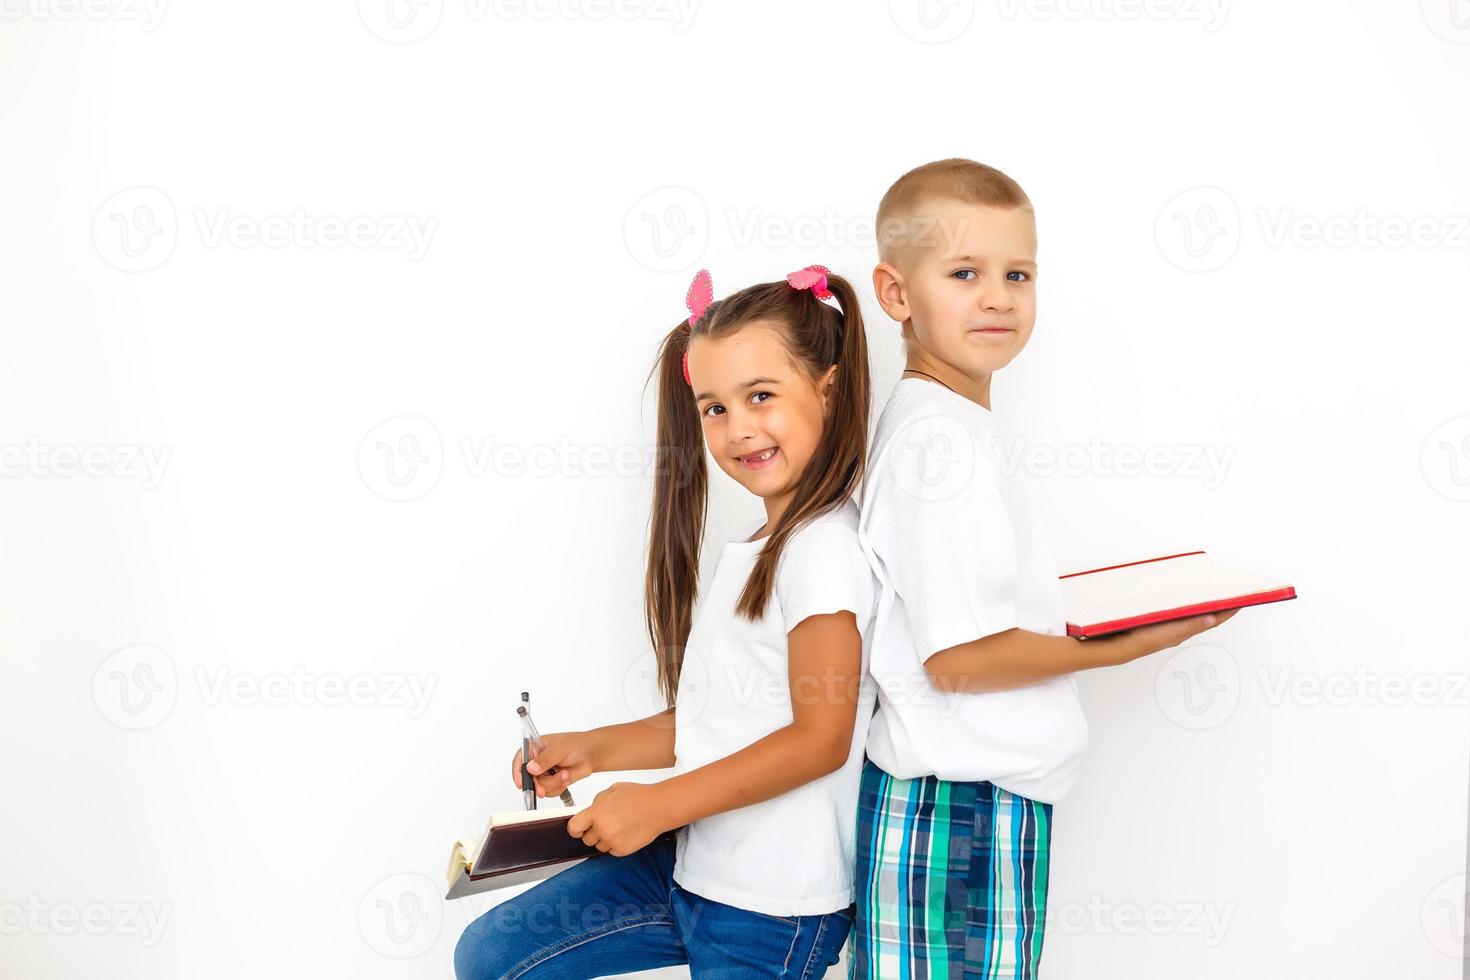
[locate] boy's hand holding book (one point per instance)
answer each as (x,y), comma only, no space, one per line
(1125,647)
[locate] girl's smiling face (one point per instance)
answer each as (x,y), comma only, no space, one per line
(762,416)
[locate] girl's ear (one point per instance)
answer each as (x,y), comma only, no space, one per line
(826,382)
(888,286)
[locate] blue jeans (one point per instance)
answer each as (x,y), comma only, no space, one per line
(614,915)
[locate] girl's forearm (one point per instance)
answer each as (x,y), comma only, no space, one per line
(1017,658)
(647,743)
(778,763)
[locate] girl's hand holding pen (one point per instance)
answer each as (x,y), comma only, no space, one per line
(623,818)
(571,753)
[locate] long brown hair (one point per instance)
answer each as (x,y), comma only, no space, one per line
(817,336)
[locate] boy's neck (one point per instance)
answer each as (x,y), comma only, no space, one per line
(976,390)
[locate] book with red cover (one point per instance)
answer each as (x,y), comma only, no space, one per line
(1114,598)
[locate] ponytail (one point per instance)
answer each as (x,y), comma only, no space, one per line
(680,499)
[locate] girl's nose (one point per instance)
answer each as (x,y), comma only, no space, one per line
(741,427)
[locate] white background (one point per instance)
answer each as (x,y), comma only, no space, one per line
(1223,190)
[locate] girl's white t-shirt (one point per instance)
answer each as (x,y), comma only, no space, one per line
(793,854)
(960,552)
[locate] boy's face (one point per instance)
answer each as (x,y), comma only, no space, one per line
(762,416)
(969,296)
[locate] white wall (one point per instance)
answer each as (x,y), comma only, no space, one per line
(1229,822)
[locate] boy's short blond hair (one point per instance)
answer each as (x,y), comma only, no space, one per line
(902,224)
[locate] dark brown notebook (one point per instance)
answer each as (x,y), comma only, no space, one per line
(517,847)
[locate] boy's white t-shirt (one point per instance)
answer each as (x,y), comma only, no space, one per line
(793,854)
(960,552)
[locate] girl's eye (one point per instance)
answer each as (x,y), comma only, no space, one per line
(758,397)
(964,272)
(1026,276)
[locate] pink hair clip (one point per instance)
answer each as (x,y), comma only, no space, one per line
(700,295)
(813,277)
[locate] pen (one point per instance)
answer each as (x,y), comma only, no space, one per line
(528,790)
(529,730)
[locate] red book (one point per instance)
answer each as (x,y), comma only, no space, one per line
(1119,597)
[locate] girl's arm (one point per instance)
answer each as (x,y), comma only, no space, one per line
(647,743)
(1016,657)
(824,656)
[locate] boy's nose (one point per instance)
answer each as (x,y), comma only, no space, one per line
(996,297)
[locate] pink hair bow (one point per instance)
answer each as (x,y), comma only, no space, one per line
(813,277)
(700,295)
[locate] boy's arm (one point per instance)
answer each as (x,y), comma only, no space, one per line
(1016,658)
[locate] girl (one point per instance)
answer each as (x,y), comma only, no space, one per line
(765,681)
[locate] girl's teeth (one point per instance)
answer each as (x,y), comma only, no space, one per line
(759,456)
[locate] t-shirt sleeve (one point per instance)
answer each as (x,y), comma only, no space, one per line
(823,570)
(937,521)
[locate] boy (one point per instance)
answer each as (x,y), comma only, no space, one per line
(979,729)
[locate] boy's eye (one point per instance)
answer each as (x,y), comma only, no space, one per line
(760,394)
(961,273)
(1026,275)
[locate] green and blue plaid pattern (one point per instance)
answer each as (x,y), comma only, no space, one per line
(951,880)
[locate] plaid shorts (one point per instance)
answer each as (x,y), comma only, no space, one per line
(951,880)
